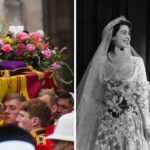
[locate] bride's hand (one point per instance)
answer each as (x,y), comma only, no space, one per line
(146,134)
(111,24)
(114,22)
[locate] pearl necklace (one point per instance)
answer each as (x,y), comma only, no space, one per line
(119,60)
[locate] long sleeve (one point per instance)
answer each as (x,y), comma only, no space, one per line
(141,71)
(145,96)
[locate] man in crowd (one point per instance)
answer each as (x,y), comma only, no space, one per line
(65,102)
(11,103)
(51,99)
(34,117)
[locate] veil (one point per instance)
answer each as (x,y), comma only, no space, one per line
(90,91)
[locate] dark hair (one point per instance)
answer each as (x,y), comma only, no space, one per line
(116,29)
(12,132)
(61,93)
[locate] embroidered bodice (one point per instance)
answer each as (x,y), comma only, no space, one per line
(129,67)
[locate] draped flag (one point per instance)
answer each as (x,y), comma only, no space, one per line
(27,84)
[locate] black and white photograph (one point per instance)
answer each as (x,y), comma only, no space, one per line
(113,75)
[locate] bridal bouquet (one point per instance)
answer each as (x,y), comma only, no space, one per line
(121,96)
(119,106)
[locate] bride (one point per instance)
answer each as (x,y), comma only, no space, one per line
(100,127)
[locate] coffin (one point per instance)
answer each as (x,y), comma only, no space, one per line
(27,84)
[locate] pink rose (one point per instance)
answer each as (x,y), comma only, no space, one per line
(56,65)
(22,36)
(20,49)
(6,48)
(30,47)
(36,37)
(47,53)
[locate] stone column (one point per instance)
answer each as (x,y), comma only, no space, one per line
(1,8)
(13,11)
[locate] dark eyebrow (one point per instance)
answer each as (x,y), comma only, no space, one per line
(125,31)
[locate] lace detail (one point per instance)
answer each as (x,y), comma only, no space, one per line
(121,67)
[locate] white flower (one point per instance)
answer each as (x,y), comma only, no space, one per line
(41,32)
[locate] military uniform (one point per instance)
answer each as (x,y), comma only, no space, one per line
(41,142)
(50,128)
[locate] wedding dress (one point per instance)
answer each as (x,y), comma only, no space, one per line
(90,94)
(132,69)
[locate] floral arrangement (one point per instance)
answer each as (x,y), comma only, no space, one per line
(121,97)
(35,50)
(32,48)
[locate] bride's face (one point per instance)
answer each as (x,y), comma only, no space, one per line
(122,38)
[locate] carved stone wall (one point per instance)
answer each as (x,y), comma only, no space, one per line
(13,11)
(32,14)
(1,7)
(22,12)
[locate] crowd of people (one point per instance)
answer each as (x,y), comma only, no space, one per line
(48,120)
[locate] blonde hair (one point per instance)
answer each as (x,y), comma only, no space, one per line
(53,97)
(11,96)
